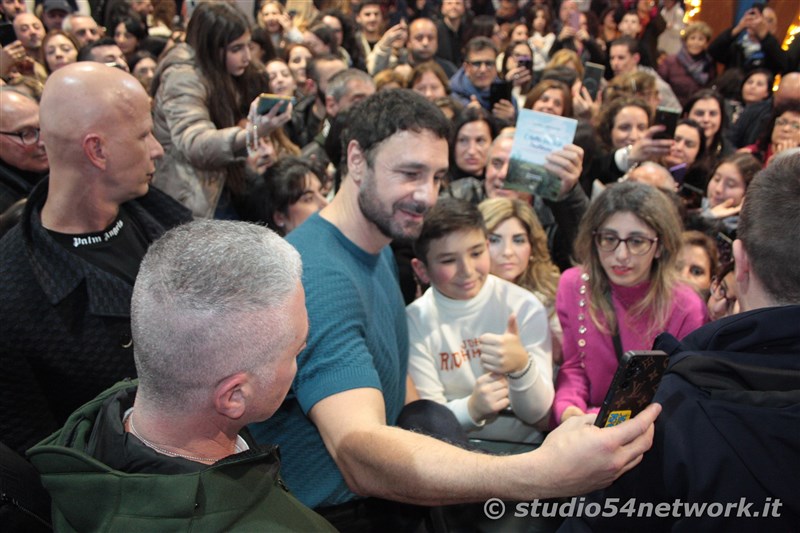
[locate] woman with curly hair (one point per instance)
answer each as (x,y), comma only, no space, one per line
(519,254)
(626,134)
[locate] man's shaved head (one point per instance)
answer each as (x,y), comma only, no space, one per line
(86,96)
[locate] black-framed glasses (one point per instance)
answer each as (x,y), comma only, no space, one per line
(781,122)
(28,136)
(482,63)
(636,244)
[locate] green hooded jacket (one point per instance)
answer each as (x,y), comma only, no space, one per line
(243,492)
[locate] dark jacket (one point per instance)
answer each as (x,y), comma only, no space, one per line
(304,124)
(64,323)
(751,124)
(450,42)
(15,184)
(727,49)
(81,467)
(728,431)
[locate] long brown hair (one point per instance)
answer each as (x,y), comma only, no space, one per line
(213,26)
(656,210)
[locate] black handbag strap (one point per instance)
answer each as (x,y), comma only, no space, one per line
(615,338)
(617,345)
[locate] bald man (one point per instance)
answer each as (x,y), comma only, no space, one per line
(653,174)
(68,267)
(23,161)
(421,46)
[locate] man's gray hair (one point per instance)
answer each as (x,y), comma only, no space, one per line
(666,180)
(66,25)
(199,302)
(505,133)
(337,85)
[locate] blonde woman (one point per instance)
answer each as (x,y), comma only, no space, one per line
(519,254)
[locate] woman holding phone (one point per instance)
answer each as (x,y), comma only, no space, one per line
(624,293)
(205,93)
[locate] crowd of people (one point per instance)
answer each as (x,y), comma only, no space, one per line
(428,338)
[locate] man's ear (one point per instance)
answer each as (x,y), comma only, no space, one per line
(637,57)
(94,149)
(230,395)
(356,162)
(420,270)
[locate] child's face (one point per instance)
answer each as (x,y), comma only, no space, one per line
(458,264)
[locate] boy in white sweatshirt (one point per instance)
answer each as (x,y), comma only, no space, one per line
(478,344)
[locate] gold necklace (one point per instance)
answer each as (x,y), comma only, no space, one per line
(162,450)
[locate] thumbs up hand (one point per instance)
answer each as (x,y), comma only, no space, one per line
(503,354)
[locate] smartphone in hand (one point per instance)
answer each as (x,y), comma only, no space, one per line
(593,74)
(267,101)
(500,90)
(7,34)
(633,387)
(669,118)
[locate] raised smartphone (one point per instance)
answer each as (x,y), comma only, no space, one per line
(267,101)
(669,118)
(592,74)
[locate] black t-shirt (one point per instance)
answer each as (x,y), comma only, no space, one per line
(118,249)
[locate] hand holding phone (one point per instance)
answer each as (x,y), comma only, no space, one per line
(634,385)
(500,90)
(267,101)
(575,20)
(667,118)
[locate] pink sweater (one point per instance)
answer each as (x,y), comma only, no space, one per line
(589,357)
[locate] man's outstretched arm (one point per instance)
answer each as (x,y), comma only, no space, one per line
(392,463)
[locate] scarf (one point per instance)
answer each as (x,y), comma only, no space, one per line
(697,68)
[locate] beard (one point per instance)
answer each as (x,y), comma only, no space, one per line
(418,58)
(369,201)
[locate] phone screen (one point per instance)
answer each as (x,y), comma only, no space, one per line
(668,118)
(7,34)
(593,73)
(575,20)
(268,101)
(500,90)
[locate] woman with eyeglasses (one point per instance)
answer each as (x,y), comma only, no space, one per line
(782,132)
(624,293)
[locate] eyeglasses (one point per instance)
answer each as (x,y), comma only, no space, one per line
(636,244)
(781,122)
(28,136)
(482,63)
